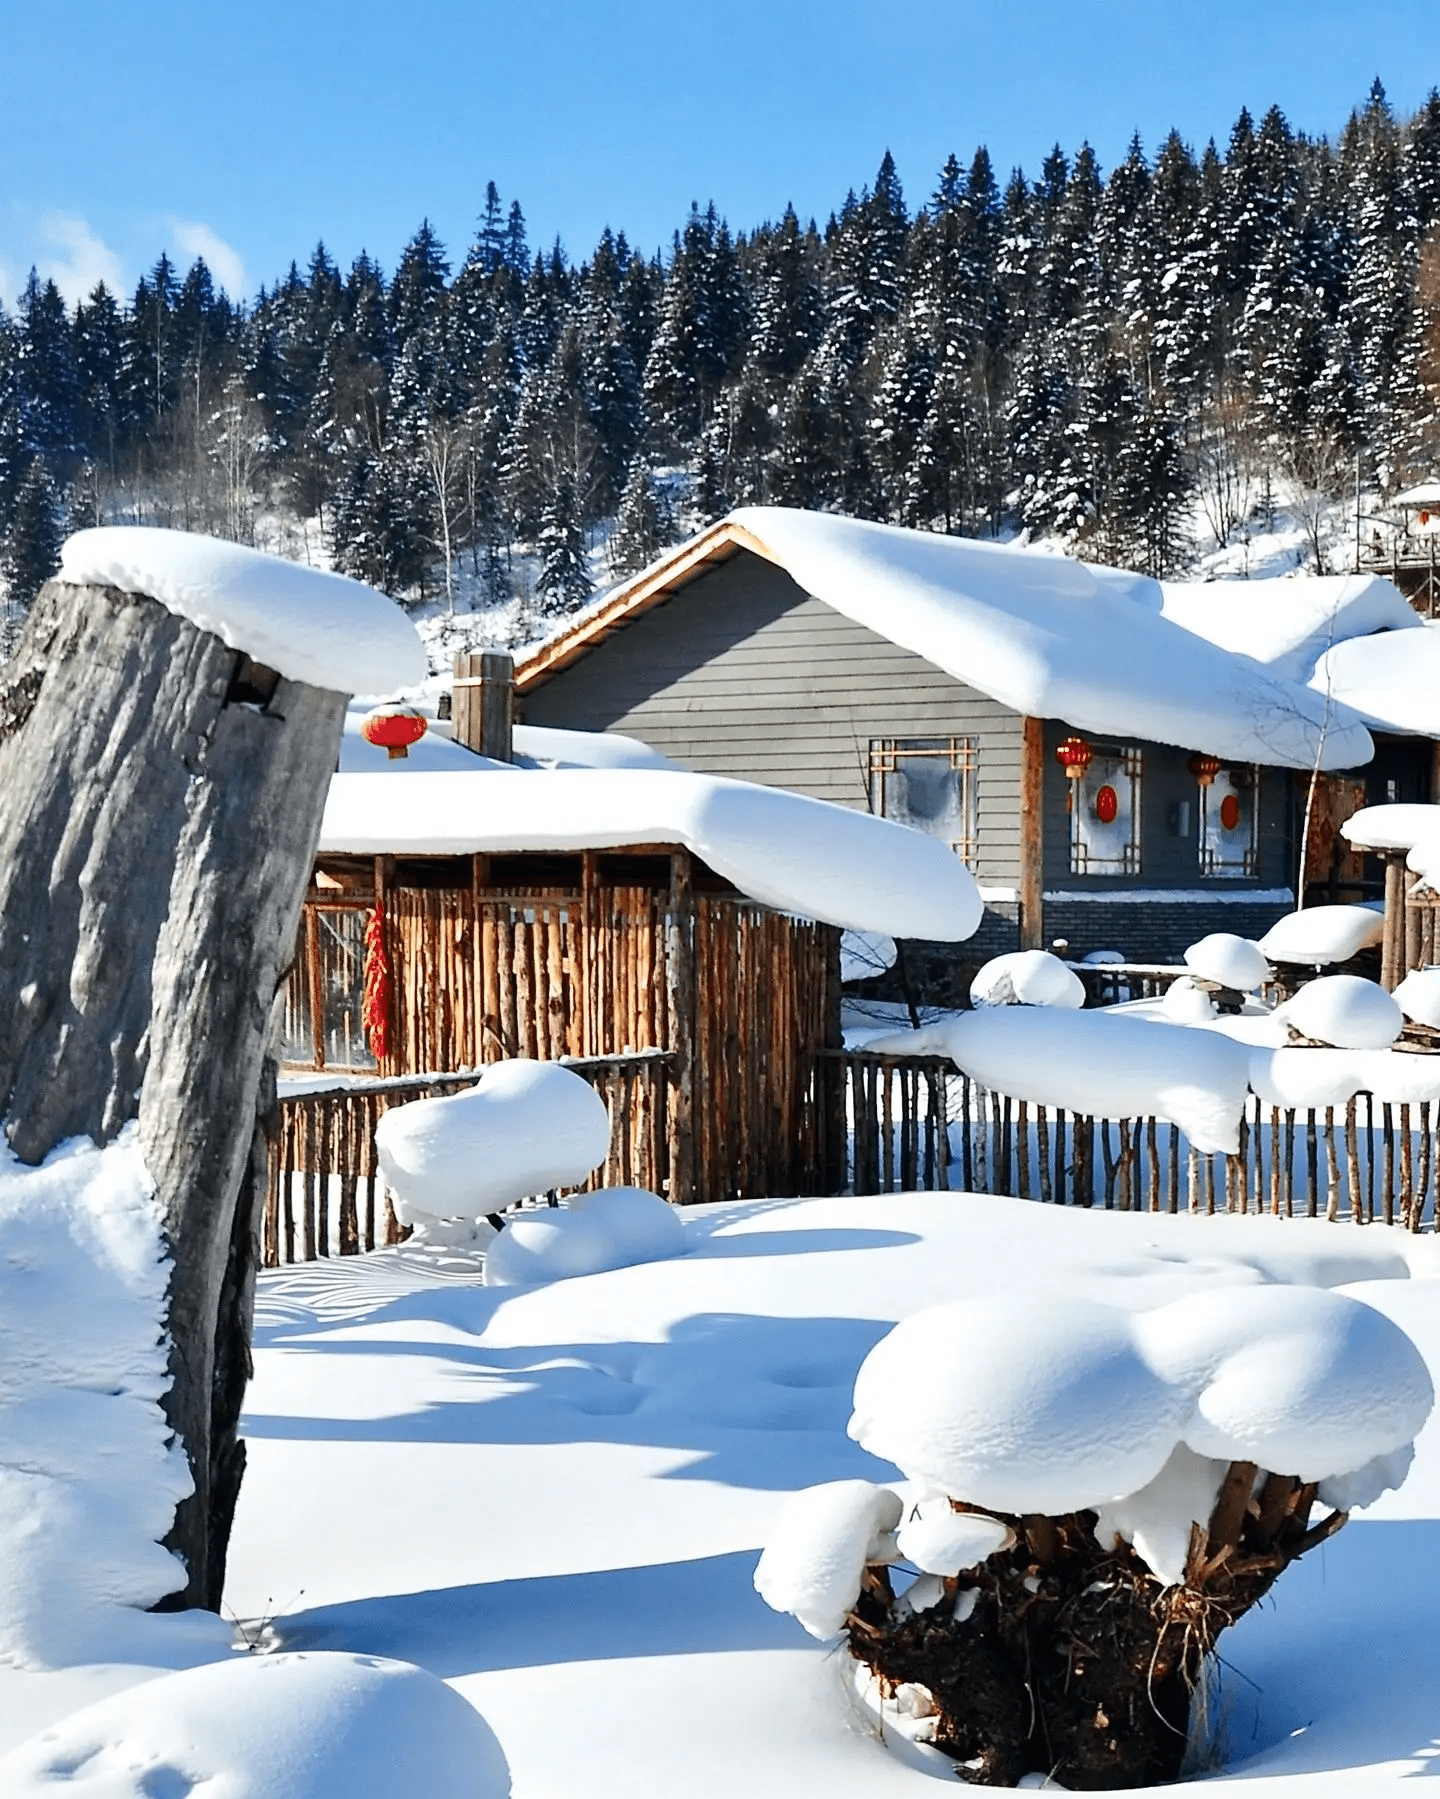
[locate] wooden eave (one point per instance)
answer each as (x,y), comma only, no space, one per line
(651,587)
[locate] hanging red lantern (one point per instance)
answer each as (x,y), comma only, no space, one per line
(1424,518)
(1107,805)
(1203,767)
(1074,755)
(394,729)
(1230,811)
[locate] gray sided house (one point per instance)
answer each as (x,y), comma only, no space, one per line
(725,657)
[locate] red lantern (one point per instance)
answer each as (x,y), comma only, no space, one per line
(1107,805)
(1074,755)
(1203,767)
(1230,811)
(394,729)
(1424,518)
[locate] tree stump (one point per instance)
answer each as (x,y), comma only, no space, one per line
(160,804)
(1068,1658)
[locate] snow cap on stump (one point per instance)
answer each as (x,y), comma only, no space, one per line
(817,1551)
(1322,934)
(306,623)
(1345,1012)
(1027,977)
(1231,961)
(1418,996)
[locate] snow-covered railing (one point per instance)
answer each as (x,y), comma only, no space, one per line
(915,1122)
(326,1195)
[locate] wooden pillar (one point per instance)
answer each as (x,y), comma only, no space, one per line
(1032,833)
(159,812)
(680,996)
(1392,944)
(483,703)
(1410,937)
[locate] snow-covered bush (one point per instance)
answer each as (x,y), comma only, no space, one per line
(1345,1012)
(1230,961)
(1418,997)
(613,1227)
(1320,935)
(1027,977)
(1093,1496)
(524,1128)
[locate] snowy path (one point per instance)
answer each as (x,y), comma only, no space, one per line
(553,1498)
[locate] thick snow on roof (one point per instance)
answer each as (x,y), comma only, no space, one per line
(1391,679)
(1426,494)
(1288,622)
(311,625)
(546,746)
(782,849)
(536,746)
(1392,827)
(1055,638)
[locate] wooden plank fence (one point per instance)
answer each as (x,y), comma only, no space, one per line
(915,1122)
(322,1155)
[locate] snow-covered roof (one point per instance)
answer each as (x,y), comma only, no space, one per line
(1426,494)
(1289,622)
(309,624)
(536,746)
(787,851)
(1044,635)
(1391,679)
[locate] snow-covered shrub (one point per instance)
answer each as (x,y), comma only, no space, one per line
(613,1227)
(1320,935)
(1345,1012)
(1093,1496)
(1229,960)
(1418,997)
(524,1128)
(312,1726)
(1027,977)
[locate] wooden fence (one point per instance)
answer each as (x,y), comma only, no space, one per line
(325,1193)
(916,1122)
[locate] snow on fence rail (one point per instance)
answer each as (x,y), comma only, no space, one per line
(916,1122)
(323,1151)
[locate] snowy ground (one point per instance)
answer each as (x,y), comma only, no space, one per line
(553,1498)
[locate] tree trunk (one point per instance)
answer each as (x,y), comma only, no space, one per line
(160,804)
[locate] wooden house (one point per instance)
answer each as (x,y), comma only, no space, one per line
(463,911)
(940,682)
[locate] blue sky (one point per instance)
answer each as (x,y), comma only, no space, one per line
(246,132)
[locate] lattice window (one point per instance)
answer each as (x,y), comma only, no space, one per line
(330,966)
(1105,814)
(929,784)
(1230,824)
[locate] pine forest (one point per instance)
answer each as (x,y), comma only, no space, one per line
(1126,363)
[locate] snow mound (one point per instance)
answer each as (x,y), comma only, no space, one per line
(1098,1064)
(313,1726)
(638,1225)
(1322,934)
(548,746)
(817,1550)
(1233,961)
(864,954)
(1418,996)
(785,850)
(1399,825)
(1344,1011)
(524,1128)
(1392,679)
(591,1233)
(1299,1380)
(1185,1002)
(1027,977)
(89,1472)
(1303,1076)
(307,623)
(937,1539)
(1023,1408)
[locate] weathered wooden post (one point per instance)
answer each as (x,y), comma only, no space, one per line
(161,789)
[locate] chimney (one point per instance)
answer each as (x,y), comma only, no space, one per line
(483,709)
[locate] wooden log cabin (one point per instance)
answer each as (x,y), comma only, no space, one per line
(936,680)
(468,912)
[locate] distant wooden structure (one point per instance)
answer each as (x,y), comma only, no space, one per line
(1407,552)
(471,959)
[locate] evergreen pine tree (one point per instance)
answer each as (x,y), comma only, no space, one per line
(563,582)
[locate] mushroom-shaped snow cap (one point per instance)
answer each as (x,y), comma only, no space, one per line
(1233,961)
(1027,977)
(1299,1380)
(818,1548)
(940,1540)
(1418,997)
(1322,934)
(1344,1011)
(1017,1403)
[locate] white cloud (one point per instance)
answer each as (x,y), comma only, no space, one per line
(75,258)
(194,239)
